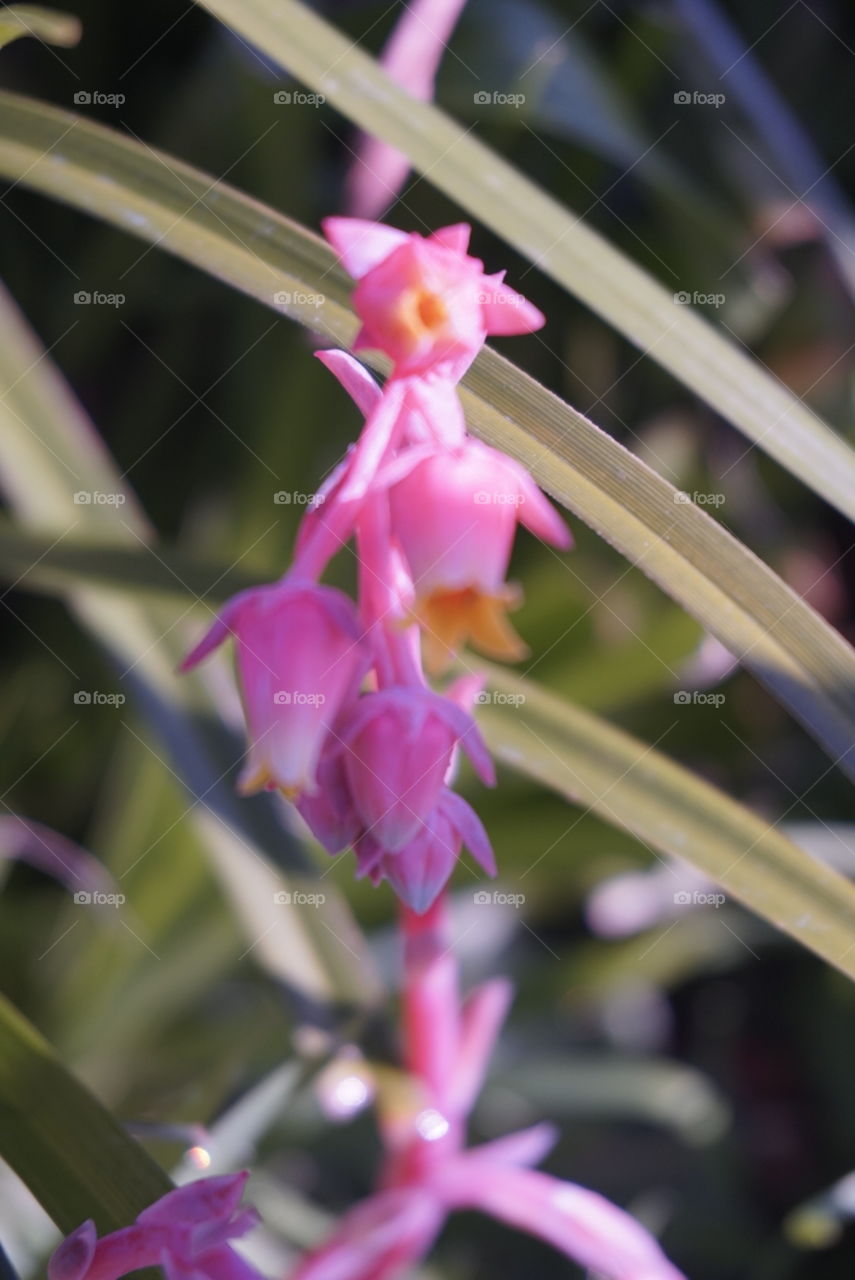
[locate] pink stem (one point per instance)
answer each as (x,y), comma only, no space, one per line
(382,610)
(431,1000)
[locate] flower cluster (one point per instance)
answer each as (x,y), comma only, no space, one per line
(186,1232)
(342,721)
(428,1173)
(340,717)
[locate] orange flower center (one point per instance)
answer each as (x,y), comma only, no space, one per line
(454,618)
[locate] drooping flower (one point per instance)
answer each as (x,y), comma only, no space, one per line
(411,57)
(455,515)
(186,1233)
(423,300)
(454,507)
(300,652)
(420,871)
(398,747)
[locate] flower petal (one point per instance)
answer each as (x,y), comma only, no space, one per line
(540,517)
(354,377)
(580,1223)
(221,628)
(455,237)
(482,1019)
(72,1259)
(411,58)
(470,828)
(527,1147)
(361,244)
(378,1239)
(507,312)
(198,1201)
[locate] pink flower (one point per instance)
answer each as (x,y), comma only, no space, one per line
(454,507)
(329,812)
(398,750)
(186,1233)
(300,652)
(411,57)
(424,301)
(428,1174)
(420,871)
(455,515)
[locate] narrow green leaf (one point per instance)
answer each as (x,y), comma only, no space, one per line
(40,561)
(74,1157)
(48,452)
(633,786)
(32,20)
(803,661)
(554,238)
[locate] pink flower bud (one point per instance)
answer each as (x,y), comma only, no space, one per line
(399,745)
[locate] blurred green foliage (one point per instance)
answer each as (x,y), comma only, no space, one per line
(211,404)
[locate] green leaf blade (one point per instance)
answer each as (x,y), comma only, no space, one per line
(633,786)
(804,662)
(45,24)
(554,239)
(70,1152)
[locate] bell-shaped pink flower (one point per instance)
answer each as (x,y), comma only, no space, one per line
(186,1233)
(398,749)
(455,514)
(423,300)
(420,871)
(300,653)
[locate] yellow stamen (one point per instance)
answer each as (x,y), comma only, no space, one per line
(431,311)
(419,314)
(452,619)
(263,780)
(249,783)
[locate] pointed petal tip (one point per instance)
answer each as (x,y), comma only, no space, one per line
(72,1259)
(360,243)
(454,237)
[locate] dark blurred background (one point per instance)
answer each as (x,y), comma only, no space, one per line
(703,1068)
